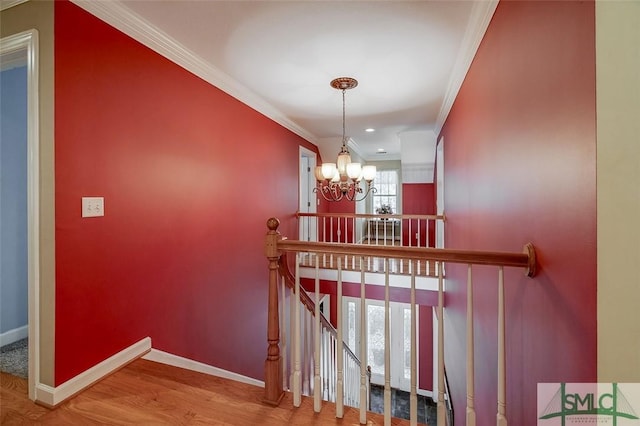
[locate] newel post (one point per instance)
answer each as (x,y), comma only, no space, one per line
(273,392)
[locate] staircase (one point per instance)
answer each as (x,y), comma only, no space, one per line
(337,381)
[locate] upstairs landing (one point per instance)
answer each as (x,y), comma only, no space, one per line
(146,392)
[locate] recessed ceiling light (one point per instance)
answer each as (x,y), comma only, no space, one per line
(380,149)
(369,130)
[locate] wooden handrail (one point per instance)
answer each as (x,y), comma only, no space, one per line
(526,259)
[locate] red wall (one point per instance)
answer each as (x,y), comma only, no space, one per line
(178,255)
(520,165)
(418,198)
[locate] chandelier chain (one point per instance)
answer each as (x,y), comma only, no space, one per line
(344,132)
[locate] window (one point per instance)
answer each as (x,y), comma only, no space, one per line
(386,183)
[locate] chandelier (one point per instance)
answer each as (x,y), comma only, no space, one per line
(342,179)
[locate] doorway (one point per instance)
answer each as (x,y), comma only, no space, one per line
(440,192)
(21,50)
(13,216)
(400,338)
(307,198)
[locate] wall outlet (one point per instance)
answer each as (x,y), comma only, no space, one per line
(92,206)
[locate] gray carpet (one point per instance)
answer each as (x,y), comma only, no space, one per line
(14,358)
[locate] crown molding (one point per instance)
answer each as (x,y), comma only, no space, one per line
(481,15)
(6,4)
(122,18)
(353,145)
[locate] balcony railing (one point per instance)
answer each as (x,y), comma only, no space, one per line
(409,230)
(373,229)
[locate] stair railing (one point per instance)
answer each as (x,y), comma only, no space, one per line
(276,248)
(310,349)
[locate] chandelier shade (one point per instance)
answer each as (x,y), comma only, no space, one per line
(341,180)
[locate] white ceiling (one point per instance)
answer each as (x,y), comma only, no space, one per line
(409,58)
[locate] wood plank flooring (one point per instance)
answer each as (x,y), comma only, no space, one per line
(149,393)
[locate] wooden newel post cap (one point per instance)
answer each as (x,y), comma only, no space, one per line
(272,238)
(273,224)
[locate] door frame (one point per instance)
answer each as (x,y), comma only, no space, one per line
(440,192)
(306,184)
(23,46)
(398,381)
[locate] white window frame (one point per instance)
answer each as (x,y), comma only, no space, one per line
(378,194)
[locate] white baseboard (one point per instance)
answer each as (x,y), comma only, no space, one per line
(14,335)
(51,396)
(188,364)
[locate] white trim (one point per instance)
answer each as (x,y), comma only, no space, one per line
(188,364)
(27,42)
(14,335)
(51,396)
(353,146)
(122,18)
(426,393)
(6,4)
(479,20)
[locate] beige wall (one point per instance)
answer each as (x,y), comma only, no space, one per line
(618,185)
(26,16)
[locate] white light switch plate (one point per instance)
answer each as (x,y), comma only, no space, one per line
(92,206)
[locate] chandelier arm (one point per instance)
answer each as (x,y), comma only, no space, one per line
(327,189)
(370,189)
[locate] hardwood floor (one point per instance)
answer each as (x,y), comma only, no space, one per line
(150,393)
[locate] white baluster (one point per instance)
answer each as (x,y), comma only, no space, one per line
(283,337)
(292,336)
(384,232)
(317,388)
(325,365)
(363,348)
(413,399)
(297,379)
(324,229)
(332,388)
(471,411)
(441,407)
(426,244)
(410,235)
(354,238)
(308,359)
(502,383)
(340,350)
(387,348)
